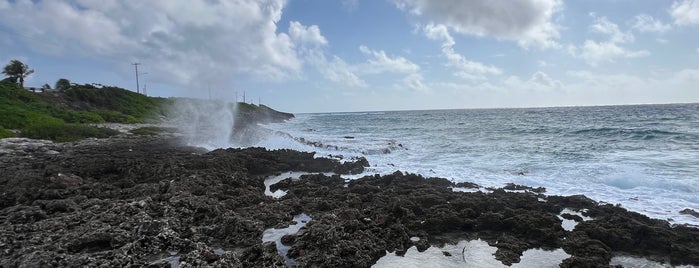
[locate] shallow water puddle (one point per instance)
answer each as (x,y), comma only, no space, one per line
(275,179)
(630,261)
(474,253)
(567,224)
(276,235)
(173,260)
(294,175)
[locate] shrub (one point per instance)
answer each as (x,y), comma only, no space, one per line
(72,116)
(65,132)
(4,133)
(62,84)
(117,117)
(18,117)
(113,98)
(56,115)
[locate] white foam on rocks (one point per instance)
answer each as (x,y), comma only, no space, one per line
(273,234)
(567,224)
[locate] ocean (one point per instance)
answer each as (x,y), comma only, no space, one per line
(643,157)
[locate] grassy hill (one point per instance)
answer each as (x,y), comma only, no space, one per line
(250,113)
(62,116)
(66,116)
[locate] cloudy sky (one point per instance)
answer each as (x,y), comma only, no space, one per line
(359,55)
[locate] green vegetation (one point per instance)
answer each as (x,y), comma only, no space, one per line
(4,133)
(16,71)
(66,132)
(62,84)
(65,114)
(246,107)
(151,130)
(261,109)
(61,116)
(138,106)
(117,117)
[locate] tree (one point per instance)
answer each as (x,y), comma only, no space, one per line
(62,84)
(17,71)
(45,87)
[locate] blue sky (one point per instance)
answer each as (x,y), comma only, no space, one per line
(358,55)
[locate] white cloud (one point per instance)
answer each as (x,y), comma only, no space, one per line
(415,82)
(604,26)
(466,69)
(306,34)
(579,88)
(439,32)
(646,23)
(539,81)
(529,22)
(336,70)
(379,62)
(596,52)
(685,12)
(184,43)
(310,43)
(541,78)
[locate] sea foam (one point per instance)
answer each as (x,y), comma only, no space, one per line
(644,158)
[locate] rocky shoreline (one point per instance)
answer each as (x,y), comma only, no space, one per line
(135,201)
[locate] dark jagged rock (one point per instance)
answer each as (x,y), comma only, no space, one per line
(354,167)
(467,185)
(248,115)
(145,202)
(515,187)
(281,185)
(586,252)
(689,211)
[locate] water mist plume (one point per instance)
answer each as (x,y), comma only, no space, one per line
(204,123)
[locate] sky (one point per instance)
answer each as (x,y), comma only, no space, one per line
(366,55)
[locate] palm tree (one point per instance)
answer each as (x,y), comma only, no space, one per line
(16,71)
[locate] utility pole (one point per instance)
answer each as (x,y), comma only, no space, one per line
(243,96)
(135,64)
(144,86)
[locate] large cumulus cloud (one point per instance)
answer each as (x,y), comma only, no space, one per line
(529,22)
(183,42)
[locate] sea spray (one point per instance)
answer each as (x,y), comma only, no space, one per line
(645,157)
(204,123)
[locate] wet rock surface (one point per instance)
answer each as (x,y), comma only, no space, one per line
(147,202)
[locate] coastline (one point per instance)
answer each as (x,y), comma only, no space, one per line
(147,201)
